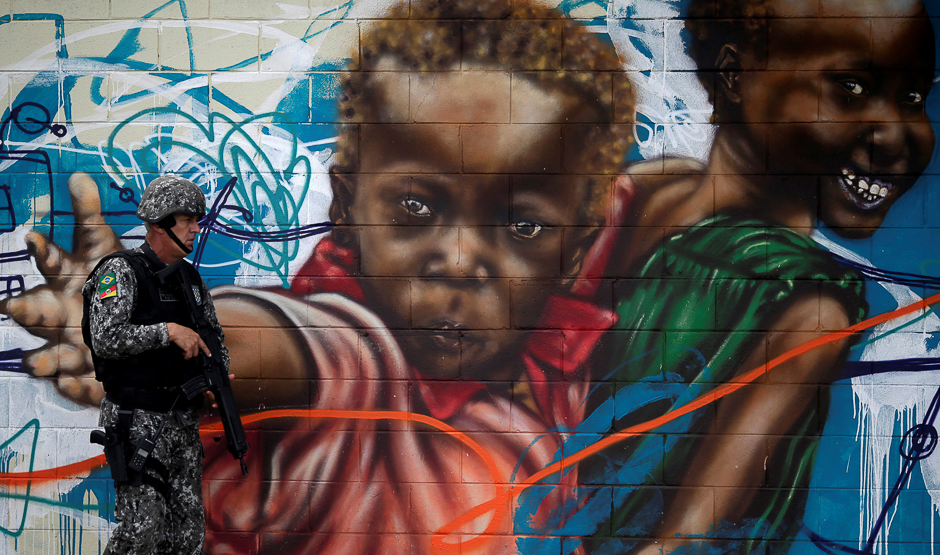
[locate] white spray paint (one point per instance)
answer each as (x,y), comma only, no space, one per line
(884,402)
(672,106)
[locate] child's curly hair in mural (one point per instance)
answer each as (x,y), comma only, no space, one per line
(555,52)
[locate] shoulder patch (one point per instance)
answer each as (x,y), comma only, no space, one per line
(107,286)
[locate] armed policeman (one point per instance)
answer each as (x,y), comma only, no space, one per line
(144,350)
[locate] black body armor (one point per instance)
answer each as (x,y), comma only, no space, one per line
(156,369)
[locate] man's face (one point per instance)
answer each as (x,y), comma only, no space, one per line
(455,216)
(844,99)
(186,229)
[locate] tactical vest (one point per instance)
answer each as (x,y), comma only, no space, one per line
(156,303)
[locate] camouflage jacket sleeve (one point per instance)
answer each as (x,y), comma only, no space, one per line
(213,319)
(112,333)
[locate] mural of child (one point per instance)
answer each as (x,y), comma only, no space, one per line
(820,108)
(475,170)
(446,201)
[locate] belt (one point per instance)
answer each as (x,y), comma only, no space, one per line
(147,399)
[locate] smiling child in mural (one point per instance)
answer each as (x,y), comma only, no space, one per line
(475,170)
(818,119)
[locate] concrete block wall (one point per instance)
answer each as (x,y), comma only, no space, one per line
(497,276)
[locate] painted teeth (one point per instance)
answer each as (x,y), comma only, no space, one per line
(865,188)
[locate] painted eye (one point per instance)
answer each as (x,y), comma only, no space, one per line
(853,87)
(416,207)
(526,229)
(914,98)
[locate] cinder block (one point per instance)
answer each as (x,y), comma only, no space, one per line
(449,97)
(30,45)
(239,9)
(160,9)
(69,10)
(303,45)
(103,39)
(216,46)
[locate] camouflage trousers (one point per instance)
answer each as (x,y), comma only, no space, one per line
(148,523)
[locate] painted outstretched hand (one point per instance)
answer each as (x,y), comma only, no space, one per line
(53,311)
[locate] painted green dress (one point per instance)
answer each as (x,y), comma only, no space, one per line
(697,307)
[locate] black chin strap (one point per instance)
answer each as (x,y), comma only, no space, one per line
(176,240)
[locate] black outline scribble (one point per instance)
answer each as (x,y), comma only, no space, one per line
(211,223)
(32,126)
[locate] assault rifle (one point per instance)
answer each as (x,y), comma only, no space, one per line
(214,374)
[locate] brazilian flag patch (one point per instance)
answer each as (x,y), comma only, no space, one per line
(107,286)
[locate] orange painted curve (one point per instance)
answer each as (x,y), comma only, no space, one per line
(498,505)
(51,474)
(498,481)
(725,389)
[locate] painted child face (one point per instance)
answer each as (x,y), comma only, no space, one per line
(454,215)
(846,97)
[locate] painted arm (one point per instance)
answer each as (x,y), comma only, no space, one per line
(267,353)
(729,466)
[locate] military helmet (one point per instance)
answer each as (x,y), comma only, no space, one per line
(170,194)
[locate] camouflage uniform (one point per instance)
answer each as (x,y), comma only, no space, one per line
(148,523)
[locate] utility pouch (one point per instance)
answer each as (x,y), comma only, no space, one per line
(113,452)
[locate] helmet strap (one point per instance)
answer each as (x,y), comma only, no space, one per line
(167,225)
(179,243)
